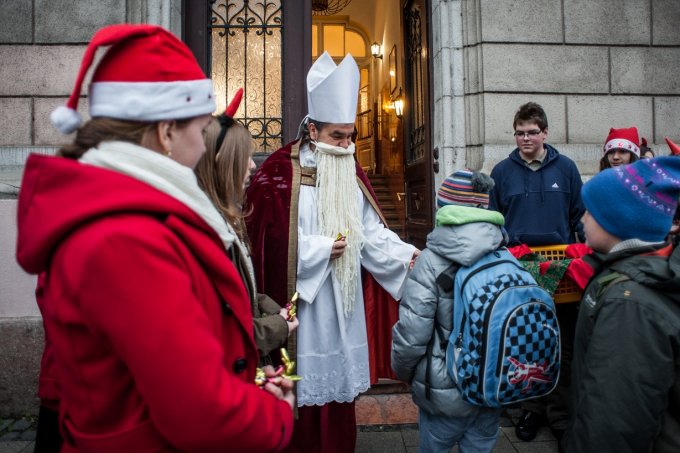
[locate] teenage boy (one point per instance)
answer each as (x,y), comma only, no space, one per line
(626,380)
(538,191)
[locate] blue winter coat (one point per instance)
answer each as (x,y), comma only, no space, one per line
(541,207)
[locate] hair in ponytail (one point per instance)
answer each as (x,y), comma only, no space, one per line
(98,130)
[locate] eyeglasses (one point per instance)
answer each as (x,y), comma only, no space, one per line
(530,134)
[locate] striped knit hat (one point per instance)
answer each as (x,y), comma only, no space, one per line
(465,188)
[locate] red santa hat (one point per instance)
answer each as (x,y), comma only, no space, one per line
(627,139)
(147,74)
(675,149)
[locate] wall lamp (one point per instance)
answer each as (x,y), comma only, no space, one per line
(375,50)
(399,105)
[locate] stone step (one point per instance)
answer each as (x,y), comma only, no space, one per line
(387,403)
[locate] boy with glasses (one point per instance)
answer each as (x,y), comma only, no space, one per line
(537,188)
(538,191)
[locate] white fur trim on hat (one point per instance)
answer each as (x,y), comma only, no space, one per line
(622,143)
(152,101)
(66,119)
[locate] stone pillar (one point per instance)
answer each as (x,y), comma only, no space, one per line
(166,13)
(448,93)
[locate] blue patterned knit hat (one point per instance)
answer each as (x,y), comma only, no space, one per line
(637,200)
(465,188)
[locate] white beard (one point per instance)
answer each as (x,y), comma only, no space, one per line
(338,213)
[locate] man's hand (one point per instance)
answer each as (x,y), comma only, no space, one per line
(338,248)
(416,253)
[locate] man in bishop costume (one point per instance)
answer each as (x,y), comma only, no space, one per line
(316,229)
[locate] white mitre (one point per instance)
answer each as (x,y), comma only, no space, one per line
(333,90)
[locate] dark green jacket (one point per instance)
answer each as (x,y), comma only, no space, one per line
(626,367)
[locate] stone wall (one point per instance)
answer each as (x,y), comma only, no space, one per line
(592,65)
(41,46)
(21,345)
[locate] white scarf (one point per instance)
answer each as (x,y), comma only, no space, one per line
(338,213)
(169,177)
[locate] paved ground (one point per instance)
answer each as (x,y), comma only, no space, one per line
(16,436)
(404,438)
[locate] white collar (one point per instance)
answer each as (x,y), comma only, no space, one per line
(307,156)
(162,173)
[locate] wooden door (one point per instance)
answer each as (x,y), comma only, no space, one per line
(418,175)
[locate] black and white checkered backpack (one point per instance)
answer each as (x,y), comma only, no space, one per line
(505,343)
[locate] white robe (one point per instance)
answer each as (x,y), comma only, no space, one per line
(332,350)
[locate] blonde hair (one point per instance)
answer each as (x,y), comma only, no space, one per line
(221,172)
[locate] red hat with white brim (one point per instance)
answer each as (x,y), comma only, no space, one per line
(627,139)
(147,74)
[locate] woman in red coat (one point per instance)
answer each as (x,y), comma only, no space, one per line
(149,325)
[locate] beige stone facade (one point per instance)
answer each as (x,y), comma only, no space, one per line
(591,64)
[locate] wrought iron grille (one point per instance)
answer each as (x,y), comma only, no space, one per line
(414,52)
(246,51)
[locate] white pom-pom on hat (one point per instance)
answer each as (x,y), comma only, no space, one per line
(66,119)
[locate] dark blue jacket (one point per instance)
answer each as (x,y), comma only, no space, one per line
(541,207)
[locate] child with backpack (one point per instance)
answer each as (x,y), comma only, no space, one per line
(465,232)
(625,374)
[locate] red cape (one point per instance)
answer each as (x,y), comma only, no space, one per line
(274,250)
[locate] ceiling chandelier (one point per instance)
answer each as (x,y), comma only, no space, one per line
(328,7)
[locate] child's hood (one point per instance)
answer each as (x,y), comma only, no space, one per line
(465,243)
(459,215)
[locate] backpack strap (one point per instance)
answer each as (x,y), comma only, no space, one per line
(444,281)
(608,280)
